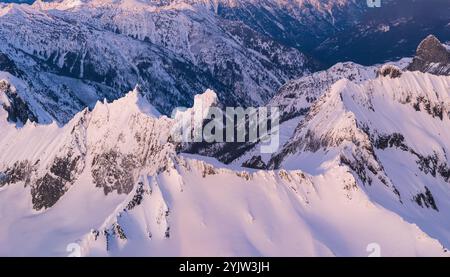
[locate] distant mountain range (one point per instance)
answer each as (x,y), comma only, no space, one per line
(345,30)
(70,53)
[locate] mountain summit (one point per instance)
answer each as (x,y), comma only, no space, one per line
(431,56)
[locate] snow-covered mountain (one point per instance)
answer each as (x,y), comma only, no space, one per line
(109,142)
(85,163)
(296,98)
(343,30)
(390,133)
(72,53)
(366,165)
(189,209)
(111,182)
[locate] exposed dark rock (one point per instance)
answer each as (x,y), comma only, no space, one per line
(167,233)
(114,171)
(137,198)
(433,109)
(107,235)
(120,232)
(426,199)
(65,167)
(431,57)
(358,167)
(244,175)
(208,170)
(255,162)
(48,189)
(433,165)
(18,110)
(7,65)
(388,141)
(19,172)
(96,234)
(430,164)
(2,179)
(224,152)
(115,231)
(389,70)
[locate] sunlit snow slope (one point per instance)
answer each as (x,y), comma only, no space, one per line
(111,181)
(364,163)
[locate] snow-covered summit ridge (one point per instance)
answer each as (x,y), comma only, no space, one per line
(106,147)
(296,96)
(410,90)
(390,132)
(132,102)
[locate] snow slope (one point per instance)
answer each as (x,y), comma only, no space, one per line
(363,163)
(391,135)
(124,191)
(189,210)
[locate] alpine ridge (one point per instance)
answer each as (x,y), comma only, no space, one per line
(88,154)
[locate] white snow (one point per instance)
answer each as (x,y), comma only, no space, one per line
(382,106)
(228,213)
(191,207)
(335,194)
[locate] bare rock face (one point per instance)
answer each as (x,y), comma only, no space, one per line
(432,50)
(389,70)
(426,199)
(18,110)
(47,190)
(255,162)
(19,172)
(114,171)
(432,57)
(7,65)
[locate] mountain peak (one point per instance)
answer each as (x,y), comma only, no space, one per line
(432,50)
(133,102)
(431,56)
